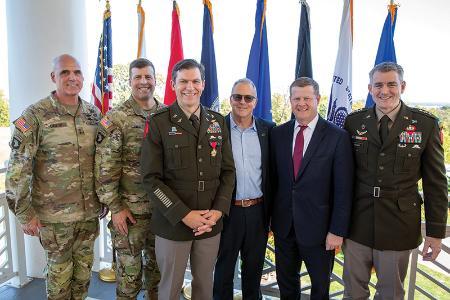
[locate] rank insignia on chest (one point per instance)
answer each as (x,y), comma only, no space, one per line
(410,137)
(22,125)
(174,131)
(214,128)
(105,123)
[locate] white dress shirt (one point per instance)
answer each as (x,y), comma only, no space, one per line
(307,133)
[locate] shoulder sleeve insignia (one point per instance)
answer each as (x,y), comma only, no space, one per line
(16,142)
(105,123)
(100,137)
(22,124)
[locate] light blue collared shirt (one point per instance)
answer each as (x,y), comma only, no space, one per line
(247,160)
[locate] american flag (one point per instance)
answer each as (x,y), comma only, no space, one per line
(102,86)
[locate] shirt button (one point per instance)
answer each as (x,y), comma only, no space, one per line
(382,154)
(199,146)
(200,159)
(381,167)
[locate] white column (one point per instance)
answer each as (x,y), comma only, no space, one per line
(38,31)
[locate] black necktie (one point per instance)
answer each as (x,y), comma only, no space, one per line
(195,122)
(384,128)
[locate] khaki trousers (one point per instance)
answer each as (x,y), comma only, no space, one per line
(172,257)
(390,267)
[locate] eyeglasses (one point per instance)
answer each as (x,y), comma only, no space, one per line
(247,98)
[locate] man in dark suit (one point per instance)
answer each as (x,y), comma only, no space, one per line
(247,225)
(313,169)
(394,147)
(188,173)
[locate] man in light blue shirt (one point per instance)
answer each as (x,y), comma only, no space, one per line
(247,226)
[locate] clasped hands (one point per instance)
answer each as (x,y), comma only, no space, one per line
(201,221)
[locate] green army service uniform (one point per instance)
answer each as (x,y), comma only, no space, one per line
(387,206)
(118,185)
(51,176)
(184,171)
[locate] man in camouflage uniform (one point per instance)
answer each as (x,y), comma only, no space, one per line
(50,180)
(118,184)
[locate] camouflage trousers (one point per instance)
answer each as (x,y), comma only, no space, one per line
(136,260)
(69,248)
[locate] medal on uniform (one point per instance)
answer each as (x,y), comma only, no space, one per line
(213,151)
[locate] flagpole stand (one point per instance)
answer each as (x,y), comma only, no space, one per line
(109,274)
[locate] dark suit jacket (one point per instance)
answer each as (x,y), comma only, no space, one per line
(264,129)
(412,151)
(319,200)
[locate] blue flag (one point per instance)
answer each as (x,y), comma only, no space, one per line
(210,95)
(303,66)
(386,48)
(258,64)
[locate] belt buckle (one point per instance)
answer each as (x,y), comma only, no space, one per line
(201,186)
(376,191)
(246,201)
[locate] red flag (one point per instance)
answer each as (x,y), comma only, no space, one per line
(176,53)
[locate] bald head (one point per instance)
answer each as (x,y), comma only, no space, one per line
(64,59)
(67,76)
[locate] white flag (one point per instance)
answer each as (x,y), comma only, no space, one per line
(340,104)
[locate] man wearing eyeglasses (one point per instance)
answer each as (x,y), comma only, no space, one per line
(247,225)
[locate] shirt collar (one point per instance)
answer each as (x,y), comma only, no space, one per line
(311,125)
(392,115)
(234,125)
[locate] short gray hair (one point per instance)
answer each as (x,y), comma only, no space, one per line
(245,81)
(385,67)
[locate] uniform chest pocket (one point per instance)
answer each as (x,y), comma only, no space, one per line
(407,158)
(360,148)
(177,152)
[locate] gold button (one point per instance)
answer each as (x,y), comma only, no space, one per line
(199,146)
(200,159)
(201,173)
(382,154)
(381,168)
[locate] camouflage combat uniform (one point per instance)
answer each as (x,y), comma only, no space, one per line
(118,185)
(50,176)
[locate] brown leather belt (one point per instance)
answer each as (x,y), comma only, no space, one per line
(247,202)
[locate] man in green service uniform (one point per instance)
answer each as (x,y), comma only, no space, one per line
(118,184)
(188,173)
(50,180)
(394,147)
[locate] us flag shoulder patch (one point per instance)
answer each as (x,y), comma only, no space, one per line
(22,125)
(105,123)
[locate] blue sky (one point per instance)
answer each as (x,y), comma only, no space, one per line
(422,40)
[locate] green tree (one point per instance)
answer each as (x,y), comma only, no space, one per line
(4,110)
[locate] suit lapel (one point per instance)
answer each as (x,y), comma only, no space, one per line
(317,136)
(288,148)
(262,136)
(206,119)
(402,120)
(178,117)
(370,123)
